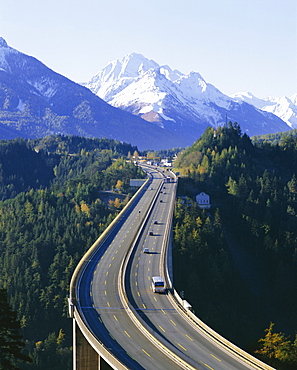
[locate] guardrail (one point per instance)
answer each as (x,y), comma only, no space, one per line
(172,294)
(83,262)
(194,320)
(137,320)
(72,300)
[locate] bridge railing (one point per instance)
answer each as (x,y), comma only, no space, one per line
(173,295)
(87,256)
(74,311)
(192,318)
(146,330)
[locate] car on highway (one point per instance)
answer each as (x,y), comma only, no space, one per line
(146,250)
(158,284)
(151,233)
(156,222)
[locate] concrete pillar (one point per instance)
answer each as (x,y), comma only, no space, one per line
(84,356)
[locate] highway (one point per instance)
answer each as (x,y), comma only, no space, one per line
(157,311)
(99,302)
(182,344)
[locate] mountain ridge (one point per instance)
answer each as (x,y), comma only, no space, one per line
(143,103)
(283,107)
(185,104)
(36,101)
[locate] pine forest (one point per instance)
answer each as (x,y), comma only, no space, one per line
(52,210)
(235,262)
(241,254)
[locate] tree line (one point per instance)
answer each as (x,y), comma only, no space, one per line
(47,223)
(242,274)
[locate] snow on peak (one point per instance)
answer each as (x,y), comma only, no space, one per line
(118,74)
(249,98)
(145,88)
(169,74)
(134,65)
(283,107)
(192,83)
(138,82)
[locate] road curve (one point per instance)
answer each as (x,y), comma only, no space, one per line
(98,298)
(158,312)
(99,303)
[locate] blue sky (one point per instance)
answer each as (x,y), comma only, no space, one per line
(237,45)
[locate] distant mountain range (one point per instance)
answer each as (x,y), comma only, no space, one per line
(284,107)
(35,102)
(133,100)
(184,104)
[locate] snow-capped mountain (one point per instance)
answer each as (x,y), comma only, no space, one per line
(183,104)
(36,101)
(284,107)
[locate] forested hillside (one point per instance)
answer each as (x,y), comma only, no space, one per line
(241,254)
(274,139)
(50,214)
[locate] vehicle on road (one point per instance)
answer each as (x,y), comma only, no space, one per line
(158,284)
(146,250)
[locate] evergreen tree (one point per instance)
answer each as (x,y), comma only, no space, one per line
(11,343)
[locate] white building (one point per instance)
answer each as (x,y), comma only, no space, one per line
(166,163)
(203,200)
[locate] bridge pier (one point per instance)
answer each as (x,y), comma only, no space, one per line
(84,355)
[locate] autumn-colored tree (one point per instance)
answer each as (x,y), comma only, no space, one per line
(276,346)
(119,184)
(117,203)
(85,208)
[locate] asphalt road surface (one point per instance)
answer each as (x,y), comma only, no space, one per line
(100,305)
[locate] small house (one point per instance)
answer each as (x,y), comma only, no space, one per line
(203,200)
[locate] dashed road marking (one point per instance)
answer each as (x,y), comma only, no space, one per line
(181,346)
(215,357)
(146,353)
